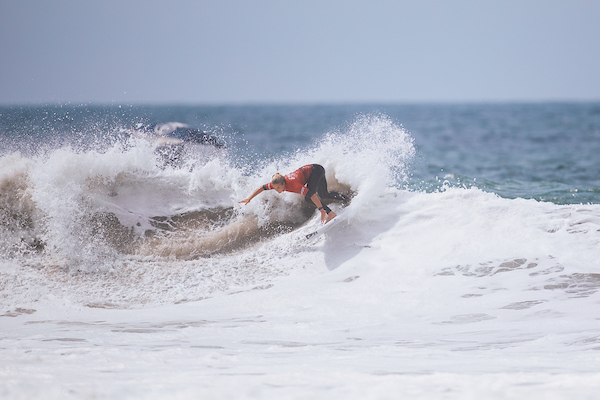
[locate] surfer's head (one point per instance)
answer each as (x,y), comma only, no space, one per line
(278,182)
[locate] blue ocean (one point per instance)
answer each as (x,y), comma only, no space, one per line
(465,265)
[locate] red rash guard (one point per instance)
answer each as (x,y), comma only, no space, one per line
(295,181)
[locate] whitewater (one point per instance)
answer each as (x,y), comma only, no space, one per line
(122,276)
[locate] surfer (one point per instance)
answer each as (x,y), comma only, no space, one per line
(308,181)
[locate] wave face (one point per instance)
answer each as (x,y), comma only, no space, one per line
(107,212)
(106,215)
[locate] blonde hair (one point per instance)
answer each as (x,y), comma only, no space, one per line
(278,179)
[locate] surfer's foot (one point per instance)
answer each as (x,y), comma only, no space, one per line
(330,216)
(339,196)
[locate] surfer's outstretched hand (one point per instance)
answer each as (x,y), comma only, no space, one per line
(259,190)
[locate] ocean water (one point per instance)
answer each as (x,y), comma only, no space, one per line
(466,266)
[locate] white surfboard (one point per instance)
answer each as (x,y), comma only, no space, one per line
(324,228)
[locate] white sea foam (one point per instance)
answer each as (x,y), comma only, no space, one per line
(456,293)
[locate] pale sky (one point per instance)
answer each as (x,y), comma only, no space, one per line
(280,51)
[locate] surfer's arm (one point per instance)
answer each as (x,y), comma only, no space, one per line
(315,199)
(253,195)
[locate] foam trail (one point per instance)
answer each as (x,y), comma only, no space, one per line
(190,244)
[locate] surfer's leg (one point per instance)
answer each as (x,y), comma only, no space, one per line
(309,201)
(316,175)
(322,186)
(324,194)
(314,183)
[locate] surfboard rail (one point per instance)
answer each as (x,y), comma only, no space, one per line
(324,228)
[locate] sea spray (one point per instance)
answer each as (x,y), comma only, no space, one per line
(362,159)
(115,211)
(19,218)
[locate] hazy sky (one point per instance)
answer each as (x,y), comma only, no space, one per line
(245,51)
